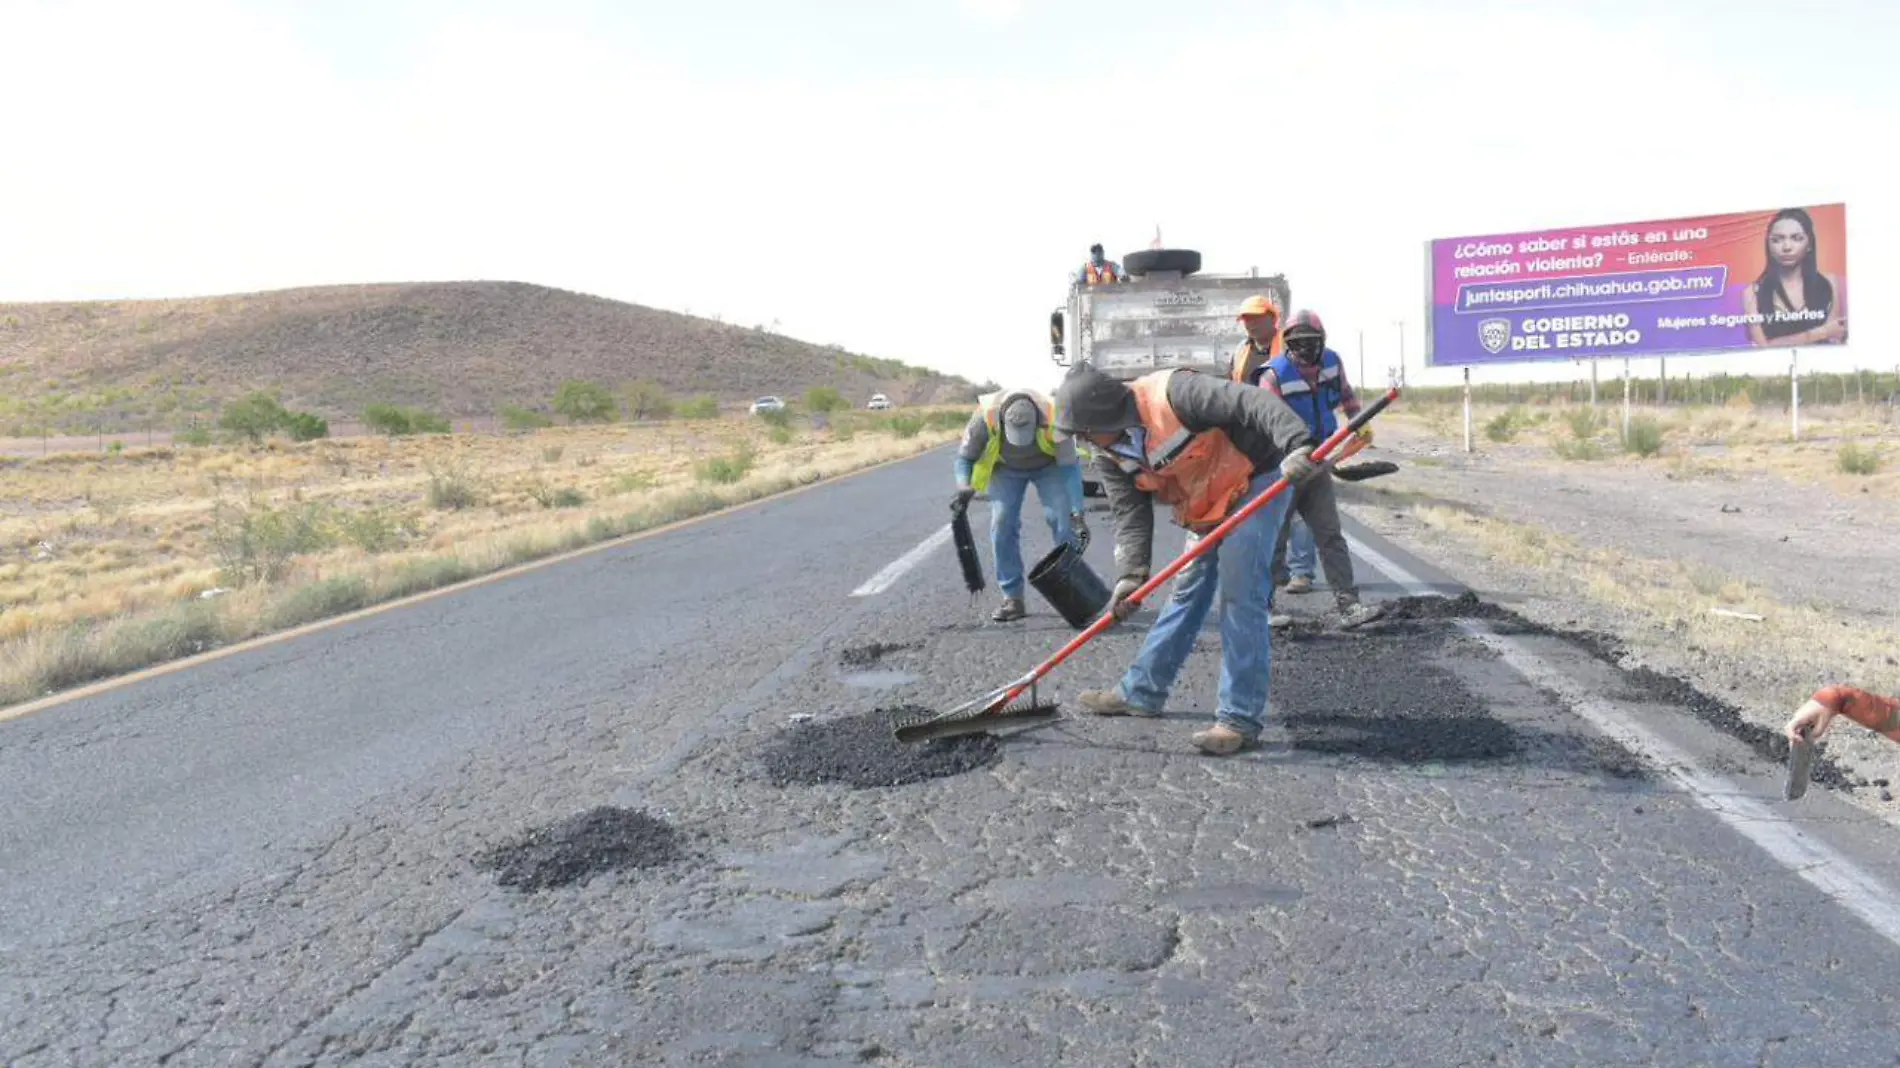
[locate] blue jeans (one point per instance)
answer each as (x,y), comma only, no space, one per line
(1302,556)
(1007,489)
(1237,569)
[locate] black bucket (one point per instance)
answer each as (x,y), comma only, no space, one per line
(1070,586)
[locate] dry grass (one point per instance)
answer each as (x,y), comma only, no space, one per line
(112,563)
(1840,447)
(1678,597)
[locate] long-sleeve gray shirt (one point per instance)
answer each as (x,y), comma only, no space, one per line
(1260,424)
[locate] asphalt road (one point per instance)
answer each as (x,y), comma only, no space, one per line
(270,859)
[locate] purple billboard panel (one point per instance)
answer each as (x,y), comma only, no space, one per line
(1751,280)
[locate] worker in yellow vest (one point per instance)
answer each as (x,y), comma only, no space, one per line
(1008,445)
(1205,445)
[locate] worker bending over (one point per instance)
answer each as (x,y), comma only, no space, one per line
(1004,462)
(1206,446)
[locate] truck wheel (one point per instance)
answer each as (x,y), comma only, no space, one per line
(1150,260)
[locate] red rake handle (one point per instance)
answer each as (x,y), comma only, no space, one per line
(1213,537)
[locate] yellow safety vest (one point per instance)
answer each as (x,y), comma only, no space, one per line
(993,449)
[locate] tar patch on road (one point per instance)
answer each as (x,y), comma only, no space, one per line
(1380,694)
(580,847)
(862,752)
(859,656)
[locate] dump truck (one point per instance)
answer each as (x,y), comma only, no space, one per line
(1166,314)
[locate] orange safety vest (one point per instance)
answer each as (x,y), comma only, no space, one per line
(1247,352)
(1097,275)
(1202,475)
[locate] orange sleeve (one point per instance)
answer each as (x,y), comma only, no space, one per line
(1872,711)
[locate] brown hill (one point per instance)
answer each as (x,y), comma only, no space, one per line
(461,349)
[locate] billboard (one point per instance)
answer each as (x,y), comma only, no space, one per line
(1773,279)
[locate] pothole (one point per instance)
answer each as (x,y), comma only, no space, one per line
(862,752)
(576,849)
(861,656)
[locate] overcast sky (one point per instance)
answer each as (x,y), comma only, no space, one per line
(915,179)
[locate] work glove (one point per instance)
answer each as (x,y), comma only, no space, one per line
(1118,602)
(1298,465)
(1079,525)
(961,502)
(1365,434)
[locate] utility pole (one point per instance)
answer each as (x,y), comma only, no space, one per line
(1362,357)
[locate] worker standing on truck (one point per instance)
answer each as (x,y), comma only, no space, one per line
(1311,378)
(1004,460)
(1206,446)
(1260,316)
(1099,270)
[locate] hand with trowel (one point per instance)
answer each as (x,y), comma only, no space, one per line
(1812,720)
(1008,445)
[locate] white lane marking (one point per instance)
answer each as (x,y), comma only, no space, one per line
(1830,872)
(895,570)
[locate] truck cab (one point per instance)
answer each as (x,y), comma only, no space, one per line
(1166,313)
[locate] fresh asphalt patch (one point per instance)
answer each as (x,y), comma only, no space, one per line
(862,751)
(576,849)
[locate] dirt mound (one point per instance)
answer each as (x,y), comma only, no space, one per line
(461,349)
(1466,605)
(580,847)
(861,751)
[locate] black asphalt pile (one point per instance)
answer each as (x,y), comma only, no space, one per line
(1432,607)
(1650,685)
(1393,706)
(861,751)
(859,656)
(580,847)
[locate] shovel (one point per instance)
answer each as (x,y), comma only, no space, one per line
(1008,705)
(1800,766)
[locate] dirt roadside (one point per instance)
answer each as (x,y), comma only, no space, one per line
(1656,553)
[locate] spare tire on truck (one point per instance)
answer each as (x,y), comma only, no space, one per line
(1150,260)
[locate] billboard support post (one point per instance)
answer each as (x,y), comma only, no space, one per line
(1794,393)
(1593,382)
(1626,399)
(1467,409)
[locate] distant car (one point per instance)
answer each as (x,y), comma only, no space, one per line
(768,404)
(879,402)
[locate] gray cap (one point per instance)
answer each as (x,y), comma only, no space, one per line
(1019,422)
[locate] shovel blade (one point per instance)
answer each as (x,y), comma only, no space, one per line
(1359,472)
(932,728)
(1800,766)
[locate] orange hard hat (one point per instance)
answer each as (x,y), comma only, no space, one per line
(1259,305)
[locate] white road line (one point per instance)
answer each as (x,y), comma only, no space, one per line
(895,570)
(1830,872)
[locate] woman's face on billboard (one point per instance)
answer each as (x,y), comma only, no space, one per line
(1787,242)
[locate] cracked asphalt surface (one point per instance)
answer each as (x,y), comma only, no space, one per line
(271,859)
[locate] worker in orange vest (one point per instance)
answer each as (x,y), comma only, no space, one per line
(1099,270)
(1260,317)
(1204,445)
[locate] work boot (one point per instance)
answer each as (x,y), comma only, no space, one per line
(1300,584)
(1108,703)
(1279,620)
(1219,740)
(1358,613)
(1010,610)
